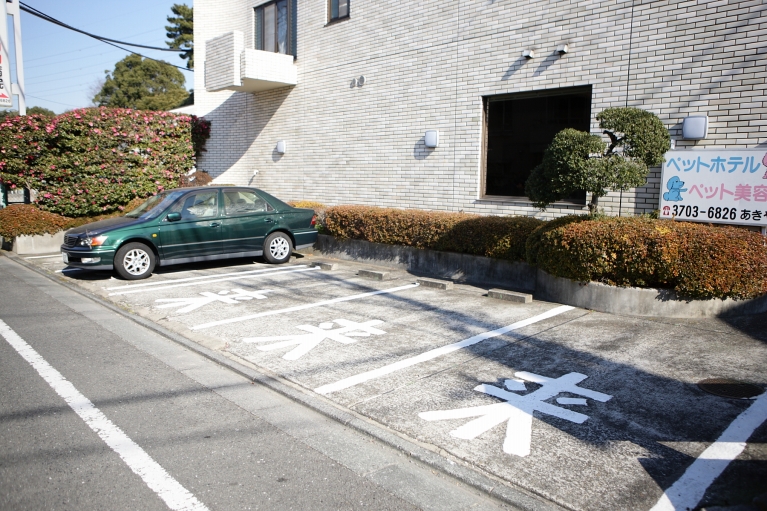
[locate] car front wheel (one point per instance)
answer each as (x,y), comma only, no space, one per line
(277,248)
(134,261)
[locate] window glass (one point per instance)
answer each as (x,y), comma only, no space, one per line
(339,9)
(269,27)
(519,127)
(238,202)
(282,26)
(275,27)
(154,205)
(197,206)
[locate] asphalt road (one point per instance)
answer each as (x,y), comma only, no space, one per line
(547,406)
(97,412)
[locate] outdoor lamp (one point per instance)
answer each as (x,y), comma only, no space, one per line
(695,127)
(282,146)
(529,54)
(431,138)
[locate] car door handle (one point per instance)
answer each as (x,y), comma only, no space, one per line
(268,220)
(215,224)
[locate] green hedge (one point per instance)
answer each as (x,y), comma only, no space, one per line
(696,260)
(29,220)
(498,237)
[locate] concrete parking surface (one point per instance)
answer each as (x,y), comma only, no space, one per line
(590,411)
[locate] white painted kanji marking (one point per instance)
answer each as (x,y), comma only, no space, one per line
(233,296)
(518,409)
(307,342)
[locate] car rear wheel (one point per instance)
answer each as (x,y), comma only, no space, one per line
(277,248)
(134,261)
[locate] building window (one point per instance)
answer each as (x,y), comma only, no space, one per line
(519,127)
(339,9)
(276,27)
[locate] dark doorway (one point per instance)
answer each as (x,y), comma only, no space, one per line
(520,126)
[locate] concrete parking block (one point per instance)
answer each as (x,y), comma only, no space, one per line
(435,283)
(324,265)
(510,296)
(375,274)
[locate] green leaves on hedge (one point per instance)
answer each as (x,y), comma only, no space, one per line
(498,237)
(93,161)
(28,220)
(696,260)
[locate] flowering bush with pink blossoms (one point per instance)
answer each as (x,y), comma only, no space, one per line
(93,161)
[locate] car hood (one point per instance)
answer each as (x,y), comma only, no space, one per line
(102,226)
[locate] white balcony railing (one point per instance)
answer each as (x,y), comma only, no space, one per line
(231,66)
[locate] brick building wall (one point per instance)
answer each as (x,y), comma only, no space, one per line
(428,64)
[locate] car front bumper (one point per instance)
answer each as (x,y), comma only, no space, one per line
(88,258)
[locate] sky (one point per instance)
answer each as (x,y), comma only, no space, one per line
(62,68)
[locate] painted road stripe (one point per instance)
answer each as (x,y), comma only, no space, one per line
(168,489)
(690,488)
(170,286)
(44,257)
(301,307)
(189,279)
(438,352)
(69,269)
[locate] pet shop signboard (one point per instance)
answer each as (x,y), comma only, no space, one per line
(727,186)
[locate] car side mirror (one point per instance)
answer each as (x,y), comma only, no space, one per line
(173,217)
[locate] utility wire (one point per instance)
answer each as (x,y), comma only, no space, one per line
(40,14)
(24,7)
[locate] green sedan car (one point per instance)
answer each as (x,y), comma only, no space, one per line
(191,225)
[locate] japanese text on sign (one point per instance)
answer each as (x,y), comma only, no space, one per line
(720,186)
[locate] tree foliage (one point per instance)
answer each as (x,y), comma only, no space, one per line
(142,84)
(33,110)
(579,161)
(181,32)
(94,161)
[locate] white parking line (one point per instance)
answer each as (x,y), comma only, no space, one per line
(690,488)
(189,279)
(157,288)
(68,269)
(302,307)
(44,257)
(154,476)
(438,352)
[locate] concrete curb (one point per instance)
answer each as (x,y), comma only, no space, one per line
(425,453)
(520,276)
(31,245)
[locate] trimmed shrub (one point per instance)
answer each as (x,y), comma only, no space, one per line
(29,220)
(307,204)
(499,237)
(696,260)
(91,161)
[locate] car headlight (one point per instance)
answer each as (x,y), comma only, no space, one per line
(95,241)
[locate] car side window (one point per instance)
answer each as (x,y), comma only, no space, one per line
(241,202)
(197,206)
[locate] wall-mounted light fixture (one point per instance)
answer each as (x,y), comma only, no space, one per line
(695,127)
(431,138)
(282,147)
(562,49)
(529,54)
(360,81)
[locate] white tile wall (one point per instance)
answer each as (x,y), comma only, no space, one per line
(427,65)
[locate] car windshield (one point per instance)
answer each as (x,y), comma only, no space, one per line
(155,205)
